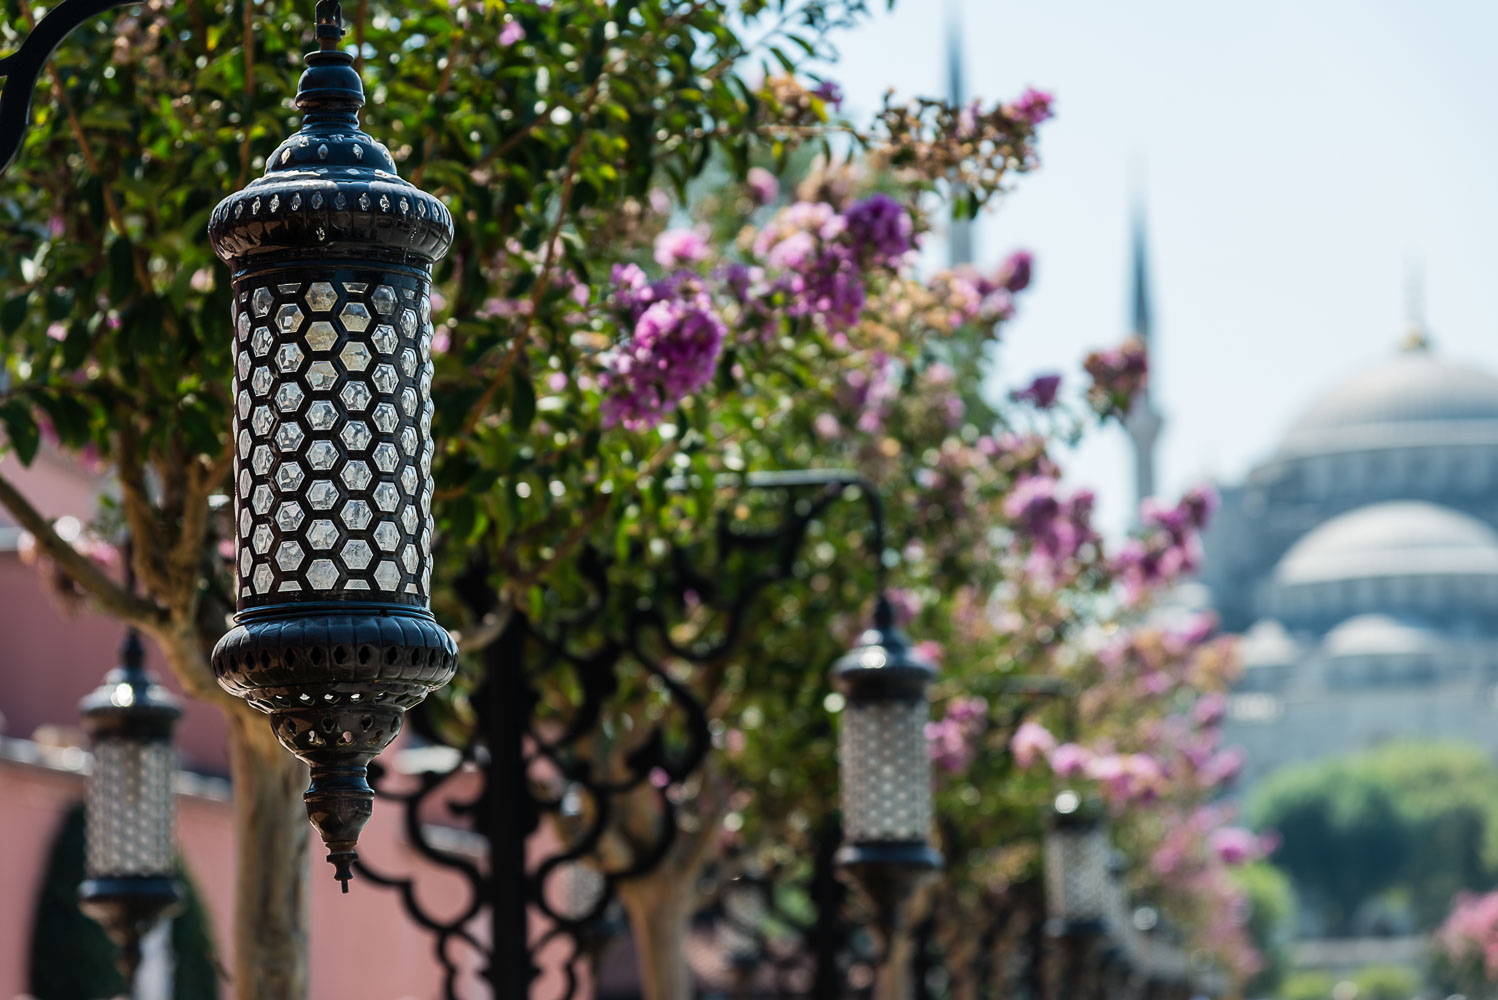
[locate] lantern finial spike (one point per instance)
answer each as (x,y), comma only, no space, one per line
(329,24)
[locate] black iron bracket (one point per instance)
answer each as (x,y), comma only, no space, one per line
(23,68)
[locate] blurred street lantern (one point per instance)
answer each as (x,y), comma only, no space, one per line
(332,255)
(885,767)
(1080,892)
(130,857)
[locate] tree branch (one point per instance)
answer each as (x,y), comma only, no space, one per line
(109,594)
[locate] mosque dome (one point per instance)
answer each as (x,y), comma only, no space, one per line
(1381,635)
(1413,398)
(1267,644)
(1398,538)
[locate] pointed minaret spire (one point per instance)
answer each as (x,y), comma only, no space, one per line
(1416,337)
(1143,422)
(960,237)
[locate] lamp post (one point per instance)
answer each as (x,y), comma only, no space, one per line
(1077,883)
(129,859)
(331,256)
(885,772)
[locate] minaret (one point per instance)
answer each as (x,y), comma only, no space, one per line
(1143,422)
(960,236)
(1416,337)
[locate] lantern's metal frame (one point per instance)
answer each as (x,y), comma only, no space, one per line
(508,747)
(128,706)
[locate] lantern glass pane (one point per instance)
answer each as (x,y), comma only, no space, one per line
(1077,880)
(129,812)
(344,426)
(886,772)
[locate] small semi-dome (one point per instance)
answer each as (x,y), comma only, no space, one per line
(1381,635)
(1411,399)
(1399,538)
(1267,644)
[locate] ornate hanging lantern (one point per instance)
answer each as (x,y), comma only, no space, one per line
(1078,877)
(332,255)
(129,861)
(885,767)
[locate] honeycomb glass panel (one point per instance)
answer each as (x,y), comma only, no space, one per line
(261,501)
(289,357)
(322,455)
(356,515)
(261,301)
(289,476)
(321,297)
(263,460)
(387,577)
(408,323)
(356,435)
(289,319)
(129,809)
(289,436)
(384,338)
(261,341)
(289,556)
(383,300)
(408,362)
(355,317)
(356,475)
(289,397)
(321,336)
(322,574)
(262,539)
(262,579)
(322,415)
(409,518)
(408,440)
(355,356)
(322,534)
(322,495)
(385,457)
(322,376)
(387,537)
(260,382)
(262,420)
(356,554)
(386,419)
(886,772)
(356,395)
(386,497)
(289,516)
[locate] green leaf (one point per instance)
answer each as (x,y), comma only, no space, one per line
(121,269)
(13,313)
(522,400)
(21,429)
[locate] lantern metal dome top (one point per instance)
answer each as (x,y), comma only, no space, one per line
(883,664)
(128,704)
(331,184)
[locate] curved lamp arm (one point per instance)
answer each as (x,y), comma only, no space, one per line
(22,68)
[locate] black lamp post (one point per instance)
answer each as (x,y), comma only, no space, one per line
(885,770)
(1078,884)
(331,254)
(129,860)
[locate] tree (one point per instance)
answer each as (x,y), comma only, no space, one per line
(1414,818)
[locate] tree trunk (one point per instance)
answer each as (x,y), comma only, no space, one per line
(893,979)
(270,878)
(659,907)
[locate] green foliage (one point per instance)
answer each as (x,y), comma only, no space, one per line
(1386,982)
(1307,986)
(1271,922)
(1417,819)
(72,958)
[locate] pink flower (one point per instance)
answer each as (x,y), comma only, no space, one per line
(679,247)
(931,651)
(1234,845)
(1041,392)
(763,186)
(1070,760)
(1014,275)
(202,280)
(1210,709)
(1032,107)
(511,33)
(57,331)
(1031,742)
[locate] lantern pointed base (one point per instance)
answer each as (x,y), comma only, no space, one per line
(127,907)
(889,874)
(339,802)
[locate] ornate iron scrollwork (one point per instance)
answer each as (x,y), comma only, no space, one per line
(530,769)
(23,68)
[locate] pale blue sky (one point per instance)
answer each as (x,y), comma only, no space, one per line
(1296,156)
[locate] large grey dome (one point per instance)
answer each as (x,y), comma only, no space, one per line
(1400,538)
(1413,398)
